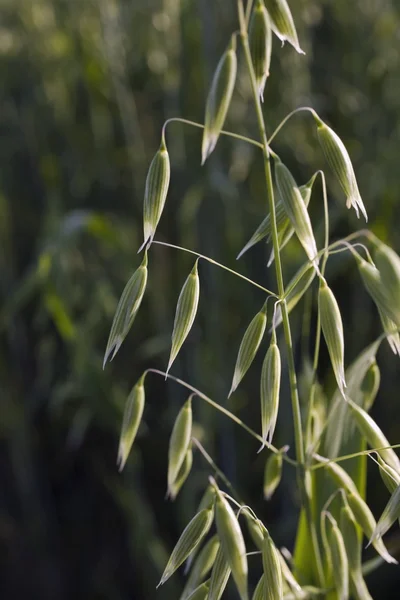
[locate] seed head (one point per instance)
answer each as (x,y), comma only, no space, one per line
(186,310)
(219,99)
(191,537)
(202,566)
(183,474)
(339,161)
(180,441)
(380,293)
(131,421)
(260,39)
(390,477)
(249,345)
(127,309)
(332,328)
(390,514)
(269,390)
(282,22)
(375,437)
(366,521)
(232,543)
(340,565)
(295,208)
(156,190)
(219,576)
(273,583)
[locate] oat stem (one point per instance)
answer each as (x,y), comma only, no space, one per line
(243,138)
(214,262)
(217,470)
(289,116)
(354,455)
(222,410)
(298,432)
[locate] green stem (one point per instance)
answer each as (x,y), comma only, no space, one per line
(349,456)
(298,432)
(223,410)
(214,262)
(217,470)
(201,126)
(289,116)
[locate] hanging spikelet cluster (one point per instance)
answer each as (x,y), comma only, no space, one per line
(212,545)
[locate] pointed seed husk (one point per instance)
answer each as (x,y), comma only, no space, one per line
(374,436)
(259,592)
(206,501)
(390,477)
(339,161)
(392,334)
(127,309)
(373,283)
(254,528)
(340,564)
(269,390)
(131,420)
(332,328)
(219,576)
(284,227)
(295,208)
(190,538)
(249,345)
(201,566)
(273,583)
(232,543)
(282,22)
(179,441)
(366,521)
(156,190)
(260,41)
(186,310)
(388,264)
(389,515)
(352,538)
(183,474)
(219,99)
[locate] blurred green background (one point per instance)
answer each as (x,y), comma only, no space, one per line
(85,86)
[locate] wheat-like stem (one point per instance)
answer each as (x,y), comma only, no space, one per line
(216,469)
(231,134)
(298,432)
(223,410)
(289,116)
(214,262)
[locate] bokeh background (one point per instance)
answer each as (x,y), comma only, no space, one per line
(85,86)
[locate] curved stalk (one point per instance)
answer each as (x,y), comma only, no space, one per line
(223,410)
(214,262)
(237,136)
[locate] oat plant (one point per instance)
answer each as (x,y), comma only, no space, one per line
(335,520)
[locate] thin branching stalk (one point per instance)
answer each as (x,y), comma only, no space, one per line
(214,262)
(231,134)
(223,410)
(217,470)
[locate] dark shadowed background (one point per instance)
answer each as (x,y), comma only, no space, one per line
(85,86)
